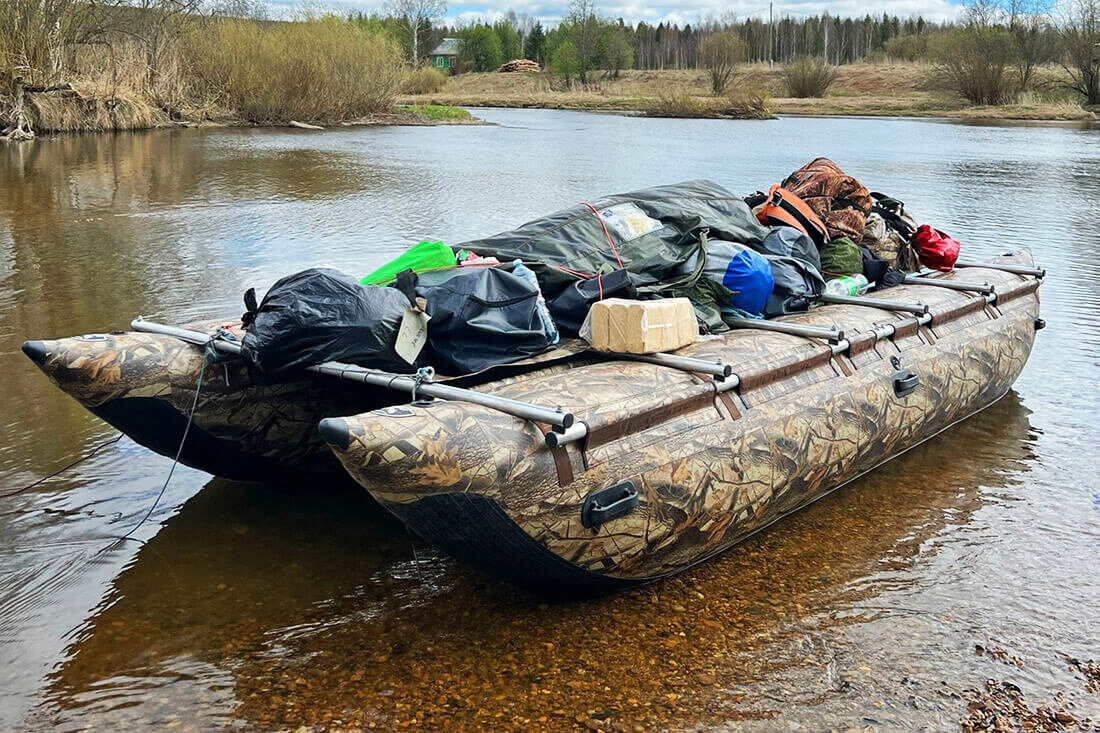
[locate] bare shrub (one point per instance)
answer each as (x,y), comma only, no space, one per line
(808,78)
(1080,32)
(976,61)
(749,100)
(423,80)
(720,54)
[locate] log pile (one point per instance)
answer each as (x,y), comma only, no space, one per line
(519,65)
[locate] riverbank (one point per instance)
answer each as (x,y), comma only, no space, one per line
(75,113)
(880,90)
(65,110)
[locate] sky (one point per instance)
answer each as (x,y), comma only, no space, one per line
(677,11)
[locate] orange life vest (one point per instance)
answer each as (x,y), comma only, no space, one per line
(783,208)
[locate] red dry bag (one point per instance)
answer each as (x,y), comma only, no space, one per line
(935,249)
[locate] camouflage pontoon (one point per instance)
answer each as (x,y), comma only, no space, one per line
(244,427)
(666,467)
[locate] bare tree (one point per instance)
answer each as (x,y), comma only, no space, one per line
(1030,28)
(415,13)
(523,25)
(248,9)
(157,26)
(1080,31)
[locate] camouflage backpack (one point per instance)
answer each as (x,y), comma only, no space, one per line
(838,199)
(889,231)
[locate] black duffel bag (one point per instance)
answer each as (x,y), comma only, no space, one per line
(481,317)
(322,315)
(570,307)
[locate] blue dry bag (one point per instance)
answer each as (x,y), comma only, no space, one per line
(741,270)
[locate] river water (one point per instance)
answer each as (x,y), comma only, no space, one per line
(277,606)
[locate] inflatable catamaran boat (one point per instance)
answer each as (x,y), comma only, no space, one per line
(585,469)
(579,468)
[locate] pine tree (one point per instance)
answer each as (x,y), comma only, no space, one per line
(534,47)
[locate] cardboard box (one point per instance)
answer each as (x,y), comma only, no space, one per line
(642,326)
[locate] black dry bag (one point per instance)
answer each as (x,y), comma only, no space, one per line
(322,315)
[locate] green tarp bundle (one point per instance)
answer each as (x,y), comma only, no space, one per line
(652,233)
(428,255)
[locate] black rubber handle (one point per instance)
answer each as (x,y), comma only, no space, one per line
(615,501)
(905,382)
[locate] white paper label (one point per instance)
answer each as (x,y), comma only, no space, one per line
(412,335)
(628,221)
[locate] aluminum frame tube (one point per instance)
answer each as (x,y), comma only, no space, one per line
(556,417)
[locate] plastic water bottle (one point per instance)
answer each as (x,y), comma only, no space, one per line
(847,285)
(548,326)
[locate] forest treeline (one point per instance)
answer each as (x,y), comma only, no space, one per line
(988,56)
(671,46)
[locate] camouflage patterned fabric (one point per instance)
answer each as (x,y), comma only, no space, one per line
(710,468)
(245,427)
(884,243)
(841,201)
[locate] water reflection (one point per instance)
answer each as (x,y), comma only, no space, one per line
(856,610)
(284,610)
(98,229)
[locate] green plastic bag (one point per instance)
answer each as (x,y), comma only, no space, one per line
(841,257)
(427,255)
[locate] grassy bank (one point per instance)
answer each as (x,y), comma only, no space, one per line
(440,113)
(901,89)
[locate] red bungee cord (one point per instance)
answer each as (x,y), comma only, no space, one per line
(606,234)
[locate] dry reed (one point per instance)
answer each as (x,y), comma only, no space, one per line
(323,69)
(423,80)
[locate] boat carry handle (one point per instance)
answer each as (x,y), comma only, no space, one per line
(906,382)
(615,501)
(556,417)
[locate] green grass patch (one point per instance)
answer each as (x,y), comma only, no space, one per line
(440,112)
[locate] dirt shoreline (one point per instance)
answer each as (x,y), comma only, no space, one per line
(455,107)
(400,117)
